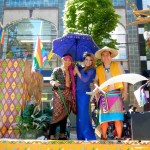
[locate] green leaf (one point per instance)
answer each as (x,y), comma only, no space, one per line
(94,17)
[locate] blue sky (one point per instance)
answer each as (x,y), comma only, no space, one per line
(145,3)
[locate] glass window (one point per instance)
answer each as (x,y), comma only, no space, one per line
(47,93)
(118,3)
(20,37)
(20,41)
(31,3)
(120,35)
(1,9)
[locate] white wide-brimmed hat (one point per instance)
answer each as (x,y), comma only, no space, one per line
(113,52)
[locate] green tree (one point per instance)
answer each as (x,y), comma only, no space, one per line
(94,17)
(147,27)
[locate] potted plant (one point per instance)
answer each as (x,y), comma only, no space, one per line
(33,121)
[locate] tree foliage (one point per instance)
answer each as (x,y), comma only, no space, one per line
(94,17)
(147,27)
(147,43)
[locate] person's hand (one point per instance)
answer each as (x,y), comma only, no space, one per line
(96,92)
(79,74)
(124,95)
(56,83)
(76,71)
(148,82)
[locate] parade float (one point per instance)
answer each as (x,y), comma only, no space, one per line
(20,85)
(17,85)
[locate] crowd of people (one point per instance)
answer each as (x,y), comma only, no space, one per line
(70,84)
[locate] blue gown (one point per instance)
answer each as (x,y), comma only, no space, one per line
(85,130)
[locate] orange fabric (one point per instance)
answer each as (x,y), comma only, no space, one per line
(114,69)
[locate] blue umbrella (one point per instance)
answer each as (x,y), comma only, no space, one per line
(74,44)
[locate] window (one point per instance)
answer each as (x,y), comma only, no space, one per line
(120,35)
(31,3)
(20,37)
(20,41)
(118,3)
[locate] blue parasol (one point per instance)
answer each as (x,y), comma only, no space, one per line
(74,44)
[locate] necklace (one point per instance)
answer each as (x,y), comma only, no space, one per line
(106,69)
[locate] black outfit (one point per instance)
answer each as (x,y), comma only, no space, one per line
(62,125)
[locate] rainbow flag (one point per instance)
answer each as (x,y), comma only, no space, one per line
(50,55)
(2,34)
(40,55)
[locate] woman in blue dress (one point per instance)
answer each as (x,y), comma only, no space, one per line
(85,75)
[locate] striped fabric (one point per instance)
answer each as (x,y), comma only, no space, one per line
(40,55)
(2,34)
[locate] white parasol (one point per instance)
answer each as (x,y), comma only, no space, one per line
(131,78)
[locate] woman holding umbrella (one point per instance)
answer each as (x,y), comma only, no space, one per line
(62,80)
(85,75)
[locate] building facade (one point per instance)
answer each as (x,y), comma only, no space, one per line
(130,43)
(25,19)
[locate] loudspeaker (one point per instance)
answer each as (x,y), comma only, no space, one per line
(140,125)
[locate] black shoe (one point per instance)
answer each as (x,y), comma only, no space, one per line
(118,139)
(63,138)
